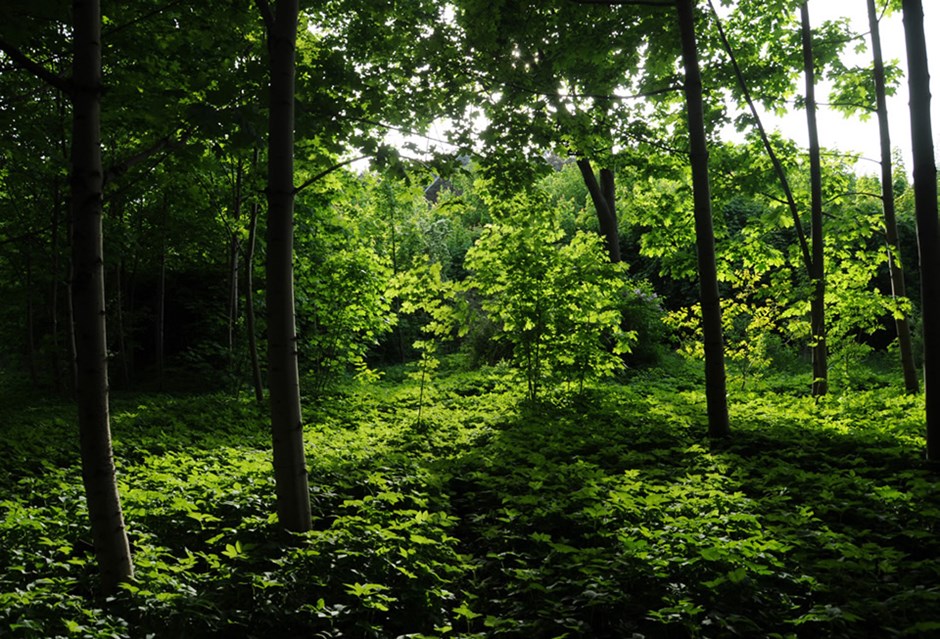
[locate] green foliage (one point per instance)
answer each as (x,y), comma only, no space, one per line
(555,301)
(599,515)
(341,283)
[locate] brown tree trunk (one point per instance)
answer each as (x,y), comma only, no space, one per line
(602,195)
(715,389)
(104,505)
(896,271)
(160,338)
(818,302)
(925,204)
(290,466)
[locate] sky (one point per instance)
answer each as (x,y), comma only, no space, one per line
(851,134)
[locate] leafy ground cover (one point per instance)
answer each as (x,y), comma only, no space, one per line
(603,514)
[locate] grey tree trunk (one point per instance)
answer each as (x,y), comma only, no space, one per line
(290,466)
(895,269)
(818,275)
(98,473)
(715,383)
(925,204)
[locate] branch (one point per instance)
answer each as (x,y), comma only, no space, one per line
(778,167)
(118,169)
(26,63)
(140,18)
(266,14)
(322,174)
(645,3)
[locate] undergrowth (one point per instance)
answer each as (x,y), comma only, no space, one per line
(603,514)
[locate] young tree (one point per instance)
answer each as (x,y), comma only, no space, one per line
(715,384)
(86,178)
(290,466)
(818,271)
(895,268)
(928,226)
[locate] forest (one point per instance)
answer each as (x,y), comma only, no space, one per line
(461,319)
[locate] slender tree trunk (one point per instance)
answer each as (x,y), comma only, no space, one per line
(925,204)
(30,318)
(602,195)
(715,389)
(896,271)
(290,466)
(160,338)
(818,303)
(104,505)
(250,305)
(121,328)
(234,250)
(55,355)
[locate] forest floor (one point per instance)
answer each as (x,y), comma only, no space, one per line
(601,514)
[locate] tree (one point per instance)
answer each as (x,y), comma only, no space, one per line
(818,270)
(895,268)
(715,390)
(928,226)
(86,181)
(290,466)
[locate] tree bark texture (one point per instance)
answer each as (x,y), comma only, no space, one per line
(818,275)
(104,506)
(715,383)
(925,204)
(290,467)
(602,195)
(895,269)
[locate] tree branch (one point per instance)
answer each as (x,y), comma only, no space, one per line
(26,63)
(645,3)
(322,174)
(118,169)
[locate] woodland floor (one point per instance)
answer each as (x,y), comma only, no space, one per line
(604,514)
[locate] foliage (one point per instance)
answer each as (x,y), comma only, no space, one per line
(556,301)
(601,515)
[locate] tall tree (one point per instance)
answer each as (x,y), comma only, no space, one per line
(818,274)
(87,291)
(925,203)
(895,268)
(715,389)
(290,466)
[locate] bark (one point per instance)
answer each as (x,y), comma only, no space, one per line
(234,250)
(818,275)
(290,466)
(98,473)
(715,389)
(895,270)
(602,195)
(925,204)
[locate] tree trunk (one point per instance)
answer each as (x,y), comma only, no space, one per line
(602,195)
(715,390)
(160,337)
(925,204)
(234,250)
(290,467)
(55,355)
(30,318)
(104,505)
(895,269)
(818,303)
(250,305)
